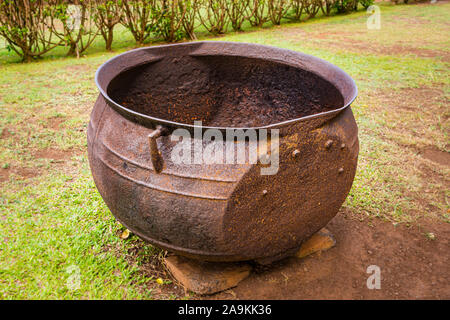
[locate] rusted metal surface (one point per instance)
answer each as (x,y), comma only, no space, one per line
(223,212)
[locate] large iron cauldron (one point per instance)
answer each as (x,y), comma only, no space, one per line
(223,212)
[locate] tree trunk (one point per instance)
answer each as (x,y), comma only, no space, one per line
(27,57)
(72,50)
(109,39)
(139,40)
(191,34)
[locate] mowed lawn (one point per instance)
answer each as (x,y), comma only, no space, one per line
(55,230)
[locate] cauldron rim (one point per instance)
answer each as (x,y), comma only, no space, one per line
(236,47)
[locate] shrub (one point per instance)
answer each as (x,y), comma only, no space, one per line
(297,7)
(107,15)
(23,23)
(258,15)
(237,11)
(312,7)
(345,6)
(170,15)
(213,15)
(77,30)
(191,10)
(366,3)
(327,5)
(397,1)
(140,18)
(277,10)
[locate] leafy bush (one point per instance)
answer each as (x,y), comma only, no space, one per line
(277,10)
(107,14)
(297,8)
(23,23)
(397,1)
(140,18)
(312,7)
(258,15)
(366,3)
(213,15)
(169,23)
(191,9)
(237,11)
(328,5)
(345,6)
(78,29)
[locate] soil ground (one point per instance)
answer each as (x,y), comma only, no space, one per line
(412,266)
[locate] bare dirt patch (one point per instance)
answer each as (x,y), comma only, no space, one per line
(19,172)
(54,154)
(417,116)
(6,133)
(79,67)
(412,266)
(27,173)
(60,160)
(400,50)
(4,174)
(346,41)
(58,157)
(353,45)
(435,155)
(410,99)
(54,123)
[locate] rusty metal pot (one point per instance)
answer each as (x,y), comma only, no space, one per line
(223,212)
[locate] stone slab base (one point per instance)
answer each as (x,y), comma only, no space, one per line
(212,277)
(321,241)
(207,277)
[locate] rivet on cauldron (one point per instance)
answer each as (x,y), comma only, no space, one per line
(328,144)
(264,192)
(295,153)
(343,146)
(341,170)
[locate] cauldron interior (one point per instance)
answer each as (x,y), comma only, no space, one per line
(223,91)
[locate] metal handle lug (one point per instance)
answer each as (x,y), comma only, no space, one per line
(156,157)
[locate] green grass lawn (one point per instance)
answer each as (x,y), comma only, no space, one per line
(53,221)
